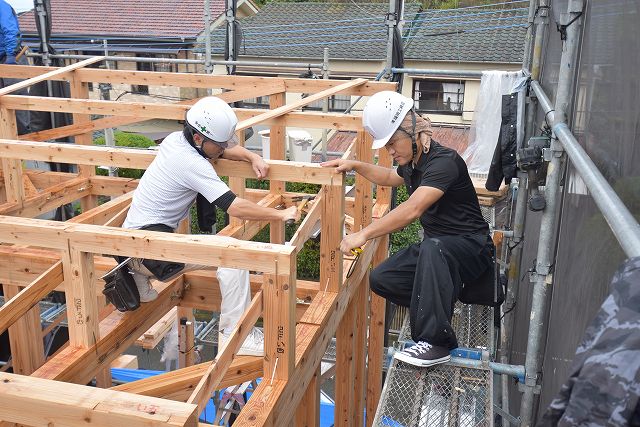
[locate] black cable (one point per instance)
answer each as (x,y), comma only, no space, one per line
(562,29)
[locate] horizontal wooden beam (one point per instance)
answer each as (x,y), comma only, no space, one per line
(194,80)
(280,170)
(49,75)
(198,249)
(38,402)
(108,122)
(179,384)
(49,199)
(174,112)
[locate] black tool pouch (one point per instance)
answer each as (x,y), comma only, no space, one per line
(120,289)
(162,270)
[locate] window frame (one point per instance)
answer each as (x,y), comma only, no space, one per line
(443,110)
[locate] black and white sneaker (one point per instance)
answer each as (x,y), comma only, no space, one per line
(424,354)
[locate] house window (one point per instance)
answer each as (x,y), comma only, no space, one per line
(338,103)
(142,66)
(438,96)
(258,102)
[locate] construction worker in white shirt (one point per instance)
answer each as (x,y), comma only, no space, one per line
(181,170)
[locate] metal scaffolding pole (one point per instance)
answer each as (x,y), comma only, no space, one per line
(515,243)
(542,276)
(208,67)
(325,103)
(620,220)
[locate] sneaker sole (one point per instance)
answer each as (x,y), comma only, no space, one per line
(421,363)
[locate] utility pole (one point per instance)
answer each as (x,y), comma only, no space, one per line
(105,95)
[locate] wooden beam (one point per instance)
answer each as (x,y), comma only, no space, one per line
(141,159)
(196,80)
(29,297)
(25,338)
(198,249)
(112,186)
(217,369)
(117,332)
(186,339)
(279,324)
(271,403)
(179,384)
(303,233)
(49,199)
(107,122)
(37,402)
(277,112)
(47,76)
(152,337)
(174,112)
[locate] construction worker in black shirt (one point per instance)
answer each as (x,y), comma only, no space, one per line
(456,251)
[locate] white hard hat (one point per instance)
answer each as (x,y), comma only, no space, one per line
(214,119)
(383,114)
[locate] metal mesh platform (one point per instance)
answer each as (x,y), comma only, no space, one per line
(443,395)
(473,325)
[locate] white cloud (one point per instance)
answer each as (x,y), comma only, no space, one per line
(21,5)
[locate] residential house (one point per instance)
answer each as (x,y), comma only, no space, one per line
(356,36)
(159,29)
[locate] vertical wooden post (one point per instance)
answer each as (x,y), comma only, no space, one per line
(345,372)
(11,168)
(308,412)
(80,293)
(378,306)
(80,90)
(277,151)
(362,218)
(331,235)
(237,184)
(280,322)
(186,339)
(25,337)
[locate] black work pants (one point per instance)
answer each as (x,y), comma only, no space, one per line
(427,277)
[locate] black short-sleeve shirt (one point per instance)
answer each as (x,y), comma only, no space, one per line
(457,212)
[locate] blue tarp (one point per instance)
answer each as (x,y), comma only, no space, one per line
(208,415)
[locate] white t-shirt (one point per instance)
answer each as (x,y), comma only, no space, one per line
(171,183)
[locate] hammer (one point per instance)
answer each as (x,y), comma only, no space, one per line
(305,200)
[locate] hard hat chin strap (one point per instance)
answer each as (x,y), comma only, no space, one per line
(414,145)
(192,141)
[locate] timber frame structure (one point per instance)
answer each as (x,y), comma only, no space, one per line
(39,256)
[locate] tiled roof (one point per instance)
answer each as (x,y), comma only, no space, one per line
(472,35)
(126,18)
(302,30)
(455,137)
(357,31)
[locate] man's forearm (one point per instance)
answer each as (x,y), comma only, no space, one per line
(376,174)
(246,210)
(398,218)
(239,153)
